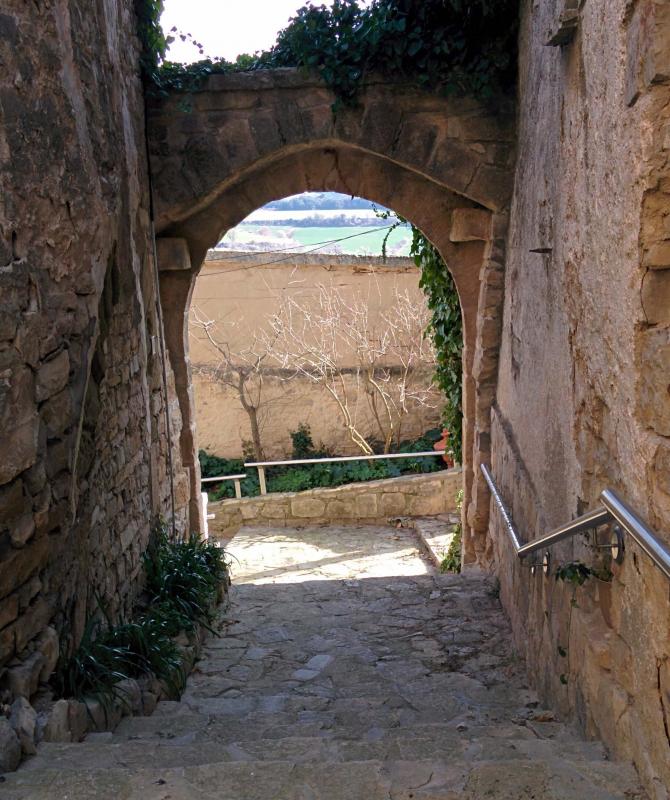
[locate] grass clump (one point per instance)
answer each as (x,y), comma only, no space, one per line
(183,581)
(108,654)
(452,558)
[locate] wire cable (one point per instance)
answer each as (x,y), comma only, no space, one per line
(320,246)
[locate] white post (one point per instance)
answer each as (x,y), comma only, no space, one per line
(261,480)
(204,500)
(238,488)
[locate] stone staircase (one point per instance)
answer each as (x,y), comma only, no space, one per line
(346,670)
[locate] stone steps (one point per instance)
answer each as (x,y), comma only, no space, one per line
(382,688)
(362,780)
(404,744)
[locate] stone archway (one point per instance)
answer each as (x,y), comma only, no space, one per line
(444,164)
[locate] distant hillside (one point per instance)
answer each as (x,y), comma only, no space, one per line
(320,201)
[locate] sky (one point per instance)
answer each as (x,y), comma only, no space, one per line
(226,27)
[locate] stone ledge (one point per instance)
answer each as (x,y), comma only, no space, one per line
(372,502)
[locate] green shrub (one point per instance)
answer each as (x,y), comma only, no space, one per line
(303,444)
(452,558)
(312,476)
(183,580)
(182,584)
(110,653)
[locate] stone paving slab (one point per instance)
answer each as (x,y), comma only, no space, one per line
(436,534)
(347,669)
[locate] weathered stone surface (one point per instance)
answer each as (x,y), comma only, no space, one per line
(52,376)
(130,696)
(19,422)
(347,670)
(57,728)
(23,677)
(49,646)
(82,418)
(582,399)
(392,503)
(653,407)
(656,297)
(12,501)
(366,505)
(23,719)
(22,529)
(307,507)
(470,224)
(10,747)
(172,254)
(77,720)
(658,256)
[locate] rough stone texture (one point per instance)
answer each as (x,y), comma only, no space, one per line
(372,501)
(250,138)
(582,398)
(10,747)
(347,671)
(436,534)
(82,421)
(23,720)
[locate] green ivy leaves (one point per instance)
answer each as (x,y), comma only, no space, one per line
(446,331)
(448,46)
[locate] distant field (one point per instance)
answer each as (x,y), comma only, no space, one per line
(276,237)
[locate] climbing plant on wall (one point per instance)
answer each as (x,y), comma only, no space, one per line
(446,331)
(451,46)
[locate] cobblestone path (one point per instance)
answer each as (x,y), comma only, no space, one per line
(347,670)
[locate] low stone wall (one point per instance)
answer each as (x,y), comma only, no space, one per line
(371,502)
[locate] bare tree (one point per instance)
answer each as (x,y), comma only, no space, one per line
(390,363)
(242,370)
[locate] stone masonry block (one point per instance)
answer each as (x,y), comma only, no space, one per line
(340,509)
(250,510)
(172,254)
(307,507)
(366,505)
(470,224)
(657,256)
(52,376)
(392,503)
(653,388)
(656,297)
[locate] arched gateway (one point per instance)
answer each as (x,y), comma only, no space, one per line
(444,163)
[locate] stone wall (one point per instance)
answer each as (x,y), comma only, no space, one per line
(582,399)
(370,502)
(82,413)
(240,297)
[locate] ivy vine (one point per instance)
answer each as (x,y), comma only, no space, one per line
(445,328)
(449,46)
(446,332)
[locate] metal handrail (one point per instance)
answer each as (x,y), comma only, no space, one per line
(236,478)
(613,509)
(218,478)
(341,458)
(260,465)
(657,551)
